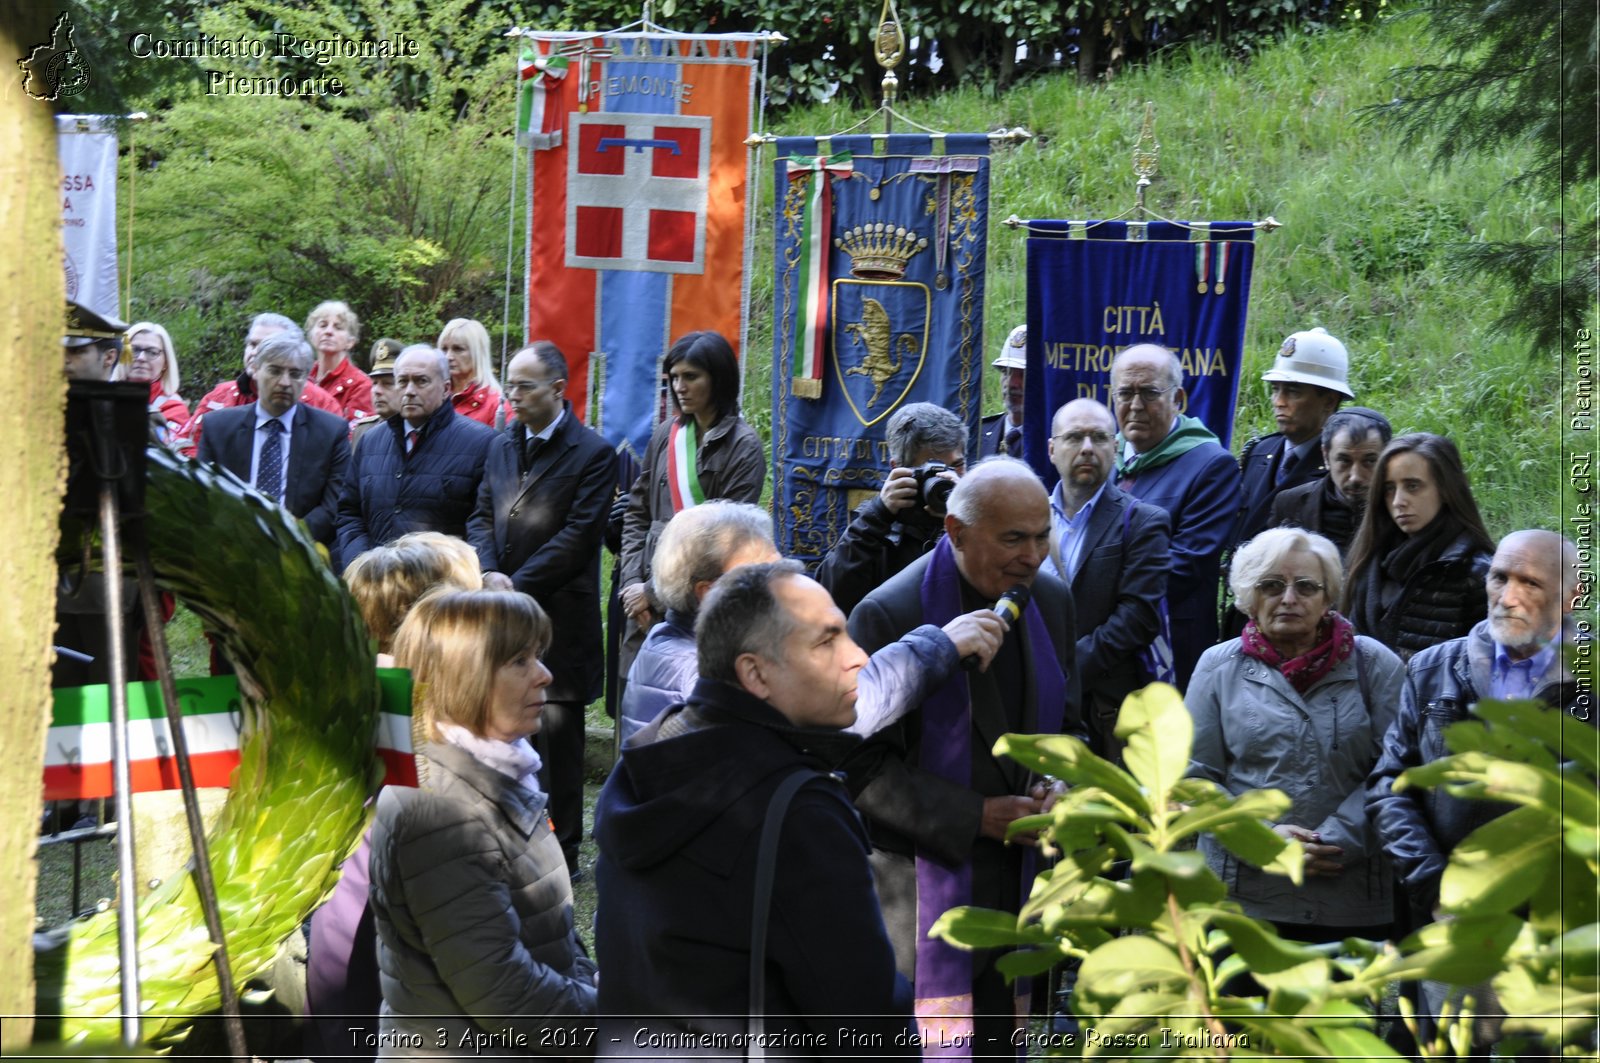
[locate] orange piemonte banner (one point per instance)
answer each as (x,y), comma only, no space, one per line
(639,195)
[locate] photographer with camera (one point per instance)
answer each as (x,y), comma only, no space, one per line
(927,447)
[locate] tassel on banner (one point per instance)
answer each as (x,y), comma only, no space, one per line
(806,387)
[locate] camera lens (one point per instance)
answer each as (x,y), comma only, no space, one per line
(936,494)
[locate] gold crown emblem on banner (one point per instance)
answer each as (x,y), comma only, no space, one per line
(878,251)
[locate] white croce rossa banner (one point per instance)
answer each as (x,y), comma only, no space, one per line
(87,147)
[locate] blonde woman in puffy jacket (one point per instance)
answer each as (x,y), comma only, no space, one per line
(469,887)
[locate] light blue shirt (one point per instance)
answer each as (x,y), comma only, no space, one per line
(1070,531)
(1511,680)
(262,417)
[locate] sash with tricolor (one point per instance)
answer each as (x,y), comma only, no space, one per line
(77,760)
(683,478)
(816,238)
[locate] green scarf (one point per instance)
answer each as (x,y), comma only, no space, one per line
(1190,433)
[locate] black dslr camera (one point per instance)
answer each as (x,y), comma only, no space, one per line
(933,489)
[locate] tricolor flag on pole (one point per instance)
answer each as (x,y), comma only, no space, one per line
(77,760)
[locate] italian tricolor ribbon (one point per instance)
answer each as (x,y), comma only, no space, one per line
(536,75)
(816,227)
(77,761)
(682,477)
(1211,263)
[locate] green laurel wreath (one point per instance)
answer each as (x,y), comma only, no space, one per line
(309,697)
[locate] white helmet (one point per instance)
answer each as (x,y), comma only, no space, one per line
(1014,355)
(1313,357)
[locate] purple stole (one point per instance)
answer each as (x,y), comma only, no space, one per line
(944,973)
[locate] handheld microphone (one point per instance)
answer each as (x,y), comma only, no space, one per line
(1010,607)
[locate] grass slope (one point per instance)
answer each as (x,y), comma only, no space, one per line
(1368,230)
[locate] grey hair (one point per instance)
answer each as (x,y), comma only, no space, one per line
(966,502)
(1257,557)
(287,346)
(697,545)
(442,363)
(741,615)
(1174,367)
(920,428)
(277,321)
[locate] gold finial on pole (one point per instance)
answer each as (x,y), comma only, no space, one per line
(889,46)
(1146,154)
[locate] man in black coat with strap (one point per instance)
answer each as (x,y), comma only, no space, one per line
(283,448)
(421,469)
(538,526)
(1112,550)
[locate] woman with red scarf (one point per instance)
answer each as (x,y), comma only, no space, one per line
(1299,703)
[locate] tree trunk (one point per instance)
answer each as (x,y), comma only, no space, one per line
(31,482)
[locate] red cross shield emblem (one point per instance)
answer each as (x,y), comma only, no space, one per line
(637,188)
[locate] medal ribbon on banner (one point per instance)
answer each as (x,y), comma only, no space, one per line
(811,328)
(1211,263)
(682,477)
(536,75)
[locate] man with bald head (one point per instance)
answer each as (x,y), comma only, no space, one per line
(1112,550)
(421,469)
(936,800)
(1173,461)
(1514,654)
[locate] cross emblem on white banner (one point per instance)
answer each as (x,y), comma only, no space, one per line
(637,188)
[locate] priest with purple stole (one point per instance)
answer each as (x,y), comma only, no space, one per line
(936,800)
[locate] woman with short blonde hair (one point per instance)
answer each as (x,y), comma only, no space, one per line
(152,359)
(474,389)
(387,580)
(470,890)
(333,330)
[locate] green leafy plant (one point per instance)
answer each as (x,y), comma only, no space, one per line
(1177,981)
(1532,871)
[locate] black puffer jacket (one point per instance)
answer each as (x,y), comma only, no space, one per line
(1419,828)
(434,488)
(1441,601)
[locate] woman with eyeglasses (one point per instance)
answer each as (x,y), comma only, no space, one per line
(1421,555)
(1299,702)
(153,360)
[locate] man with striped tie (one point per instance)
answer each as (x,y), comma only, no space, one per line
(292,453)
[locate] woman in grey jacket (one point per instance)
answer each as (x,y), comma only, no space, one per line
(476,946)
(1299,703)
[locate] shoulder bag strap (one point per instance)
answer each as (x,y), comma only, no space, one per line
(761,905)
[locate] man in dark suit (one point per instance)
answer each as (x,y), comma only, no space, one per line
(1001,433)
(1111,549)
(538,526)
(936,800)
(283,448)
